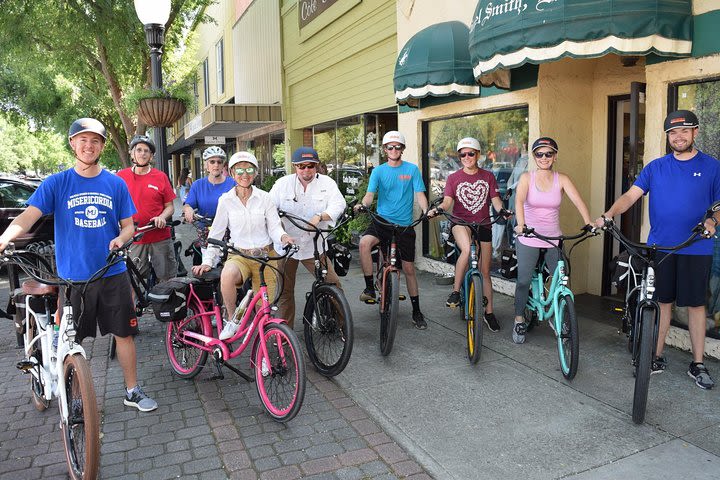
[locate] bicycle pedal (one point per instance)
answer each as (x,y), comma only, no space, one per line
(402,297)
(25,365)
(371,301)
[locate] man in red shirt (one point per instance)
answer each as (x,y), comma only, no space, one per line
(153,196)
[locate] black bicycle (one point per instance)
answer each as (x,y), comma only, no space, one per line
(327,319)
(642,311)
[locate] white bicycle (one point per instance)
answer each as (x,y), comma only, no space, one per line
(58,366)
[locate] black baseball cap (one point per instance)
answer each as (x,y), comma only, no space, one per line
(681,119)
(544,142)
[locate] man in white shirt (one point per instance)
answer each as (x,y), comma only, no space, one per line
(316,198)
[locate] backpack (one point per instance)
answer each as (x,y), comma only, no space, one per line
(169,299)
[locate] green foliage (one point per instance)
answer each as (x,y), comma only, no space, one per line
(268,182)
(358,224)
(278,155)
(179,91)
(38,152)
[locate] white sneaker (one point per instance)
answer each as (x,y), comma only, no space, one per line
(229,330)
(264,368)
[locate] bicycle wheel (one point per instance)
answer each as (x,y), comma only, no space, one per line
(185,360)
(81,431)
(476,311)
(643,365)
(281,387)
(568,339)
(328,330)
(36,385)
(388,315)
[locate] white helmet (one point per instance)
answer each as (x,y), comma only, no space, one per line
(468,142)
(214,151)
(243,157)
(393,136)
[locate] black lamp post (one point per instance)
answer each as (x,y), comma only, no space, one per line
(154,14)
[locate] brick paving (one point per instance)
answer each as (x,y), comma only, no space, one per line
(203,428)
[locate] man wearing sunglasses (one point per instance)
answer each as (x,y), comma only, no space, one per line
(398,184)
(315,197)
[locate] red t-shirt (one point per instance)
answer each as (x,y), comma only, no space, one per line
(150,193)
(472,194)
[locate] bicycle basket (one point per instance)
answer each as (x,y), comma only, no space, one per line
(169,299)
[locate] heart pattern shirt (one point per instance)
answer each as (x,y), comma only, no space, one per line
(472,194)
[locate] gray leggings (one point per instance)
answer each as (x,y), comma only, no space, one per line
(527,258)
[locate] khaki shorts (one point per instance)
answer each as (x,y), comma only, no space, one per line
(251,269)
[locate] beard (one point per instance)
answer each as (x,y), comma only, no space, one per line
(688,148)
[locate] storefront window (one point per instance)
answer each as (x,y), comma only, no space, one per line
(704,99)
(503,138)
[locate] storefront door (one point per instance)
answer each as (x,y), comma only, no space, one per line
(626,147)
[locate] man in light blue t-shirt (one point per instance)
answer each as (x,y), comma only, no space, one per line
(397,184)
(682,185)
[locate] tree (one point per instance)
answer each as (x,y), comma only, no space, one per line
(31,152)
(71,58)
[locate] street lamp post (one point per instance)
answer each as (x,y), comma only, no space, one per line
(154,14)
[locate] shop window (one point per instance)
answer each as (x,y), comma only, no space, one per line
(206,82)
(703,98)
(220,62)
(503,137)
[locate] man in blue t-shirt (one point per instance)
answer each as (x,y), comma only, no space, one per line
(683,184)
(93,214)
(397,185)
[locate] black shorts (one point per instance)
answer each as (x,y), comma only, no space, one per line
(405,239)
(107,304)
(682,279)
(483,234)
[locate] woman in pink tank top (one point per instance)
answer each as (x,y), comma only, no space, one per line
(537,205)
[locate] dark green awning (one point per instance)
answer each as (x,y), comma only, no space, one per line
(509,33)
(435,61)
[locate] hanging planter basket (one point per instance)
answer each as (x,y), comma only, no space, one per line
(160,112)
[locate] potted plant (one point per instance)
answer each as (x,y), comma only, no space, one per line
(161,107)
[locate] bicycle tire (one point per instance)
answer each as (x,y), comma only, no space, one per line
(81,431)
(568,339)
(36,386)
(185,360)
(389,313)
(476,312)
(328,331)
(643,365)
(282,390)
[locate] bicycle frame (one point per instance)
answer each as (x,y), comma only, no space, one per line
(545,304)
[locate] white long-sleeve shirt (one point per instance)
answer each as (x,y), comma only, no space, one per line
(254,225)
(322,195)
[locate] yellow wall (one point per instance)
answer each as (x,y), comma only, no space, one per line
(208,35)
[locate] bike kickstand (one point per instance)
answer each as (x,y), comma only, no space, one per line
(218,367)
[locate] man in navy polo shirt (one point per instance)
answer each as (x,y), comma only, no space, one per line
(683,184)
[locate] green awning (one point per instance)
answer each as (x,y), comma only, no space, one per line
(435,61)
(509,33)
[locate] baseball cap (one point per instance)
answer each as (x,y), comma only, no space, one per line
(681,119)
(544,142)
(468,142)
(305,154)
(242,157)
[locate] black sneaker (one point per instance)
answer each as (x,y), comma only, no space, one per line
(453,300)
(702,377)
(658,365)
(367,296)
(492,322)
(419,320)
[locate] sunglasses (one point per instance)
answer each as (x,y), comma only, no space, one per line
(216,162)
(248,170)
(305,166)
(394,147)
(467,154)
(544,154)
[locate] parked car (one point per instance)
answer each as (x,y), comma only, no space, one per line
(14,194)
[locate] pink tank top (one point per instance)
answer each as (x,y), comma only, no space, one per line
(542,211)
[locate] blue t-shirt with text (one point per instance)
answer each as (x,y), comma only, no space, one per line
(680,193)
(87,217)
(204,195)
(396,188)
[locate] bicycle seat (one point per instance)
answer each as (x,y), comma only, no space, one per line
(211,276)
(33,287)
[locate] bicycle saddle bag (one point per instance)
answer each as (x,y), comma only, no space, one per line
(340,256)
(169,299)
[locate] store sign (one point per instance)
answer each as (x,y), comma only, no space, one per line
(309,10)
(214,140)
(489,10)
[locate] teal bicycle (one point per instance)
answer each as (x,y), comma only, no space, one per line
(556,302)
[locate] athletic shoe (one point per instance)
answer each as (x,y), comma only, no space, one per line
(702,377)
(419,320)
(367,295)
(138,399)
(229,330)
(453,300)
(658,365)
(518,333)
(492,322)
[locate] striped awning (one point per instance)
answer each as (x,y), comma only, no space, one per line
(509,33)
(435,62)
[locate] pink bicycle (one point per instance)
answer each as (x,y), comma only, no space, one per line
(275,358)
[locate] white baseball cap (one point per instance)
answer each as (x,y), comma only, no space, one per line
(468,142)
(393,136)
(242,157)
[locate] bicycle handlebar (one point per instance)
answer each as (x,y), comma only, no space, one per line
(586,230)
(502,214)
(310,228)
(382,221)
(289,250)
(609,226)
